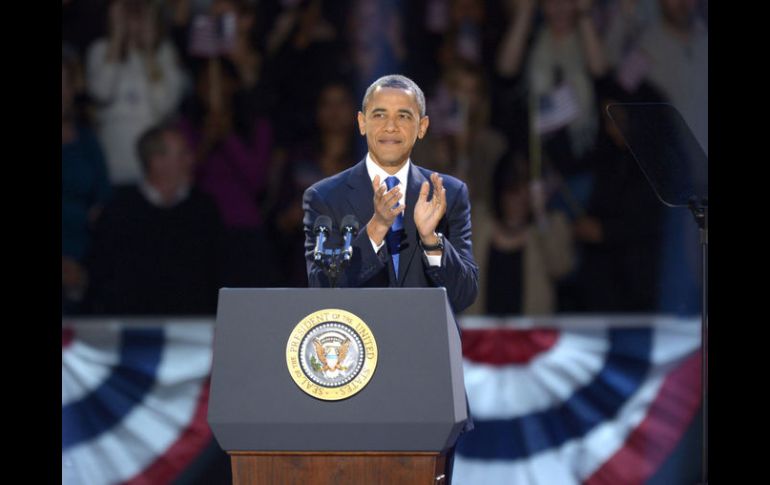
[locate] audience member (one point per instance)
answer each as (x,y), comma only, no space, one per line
(134,78)
(557,73)
(530,248)
(305,50)
(332,150)
(619,235)
(461,141)
(157,244)
(85,183)
(233,147)
(671,53)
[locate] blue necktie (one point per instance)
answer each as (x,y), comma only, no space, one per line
(393,237)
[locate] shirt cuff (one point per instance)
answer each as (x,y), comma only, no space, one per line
(434,260)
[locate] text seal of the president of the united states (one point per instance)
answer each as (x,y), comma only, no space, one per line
(331,354)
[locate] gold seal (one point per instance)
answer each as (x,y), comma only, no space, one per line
(331,354)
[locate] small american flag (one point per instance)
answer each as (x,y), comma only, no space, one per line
(556,109)
(633,69)
(203,37)
(212,36)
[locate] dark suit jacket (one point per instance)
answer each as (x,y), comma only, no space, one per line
(350,192)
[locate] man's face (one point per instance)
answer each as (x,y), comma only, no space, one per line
(176,162)
(392,124)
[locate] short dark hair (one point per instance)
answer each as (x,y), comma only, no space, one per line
(397,81)
(151,143)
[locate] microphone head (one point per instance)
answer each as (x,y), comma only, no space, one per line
(350,223)
(322,224)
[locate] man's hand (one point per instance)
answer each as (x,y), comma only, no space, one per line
(384,212)
(427,214)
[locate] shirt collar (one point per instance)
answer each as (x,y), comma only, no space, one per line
(374,169)
(154,197)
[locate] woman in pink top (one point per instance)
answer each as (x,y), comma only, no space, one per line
(233,149)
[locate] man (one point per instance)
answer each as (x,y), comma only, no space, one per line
(417,230)
(407,209)
(156,244)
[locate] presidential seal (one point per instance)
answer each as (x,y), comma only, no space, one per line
(331,354)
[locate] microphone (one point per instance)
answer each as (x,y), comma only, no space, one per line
(321,229)
(349,228)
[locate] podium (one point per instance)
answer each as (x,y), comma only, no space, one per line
(336,386)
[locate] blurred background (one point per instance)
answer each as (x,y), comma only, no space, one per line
(191,128)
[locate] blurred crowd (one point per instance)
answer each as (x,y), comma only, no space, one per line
(191,128)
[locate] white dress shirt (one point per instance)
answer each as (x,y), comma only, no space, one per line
(403,176)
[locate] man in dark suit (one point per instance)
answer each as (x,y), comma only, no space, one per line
(417,236)
(418,227)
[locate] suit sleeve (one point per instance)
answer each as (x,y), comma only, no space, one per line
(365,262)
(458,272)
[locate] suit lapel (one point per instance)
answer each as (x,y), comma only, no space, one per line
(360,197)
(409,245)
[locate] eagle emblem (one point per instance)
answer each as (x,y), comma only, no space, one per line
(331,357)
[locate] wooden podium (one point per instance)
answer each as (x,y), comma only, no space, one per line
(395,429)
(342,468)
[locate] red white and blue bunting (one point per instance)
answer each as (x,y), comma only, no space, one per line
(586,400)
(560,401)
(134,400)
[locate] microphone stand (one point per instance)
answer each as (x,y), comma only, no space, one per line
(646,127)
(699,209)
(333,262)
